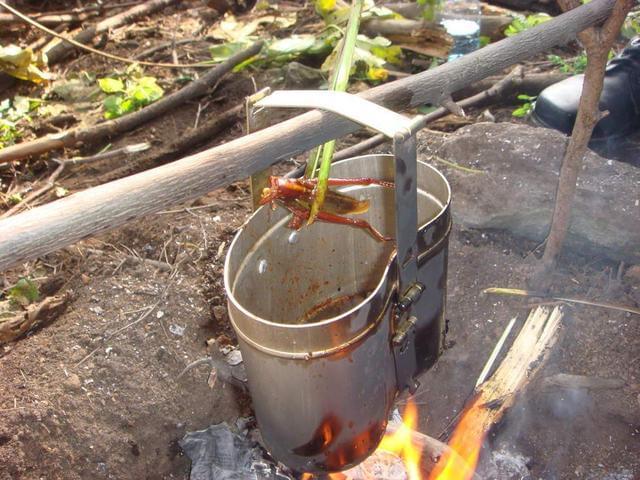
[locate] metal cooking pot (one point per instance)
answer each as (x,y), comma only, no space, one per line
(323,384)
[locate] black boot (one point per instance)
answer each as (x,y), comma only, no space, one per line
(557,105)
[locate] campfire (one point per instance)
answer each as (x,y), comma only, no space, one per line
(406,454)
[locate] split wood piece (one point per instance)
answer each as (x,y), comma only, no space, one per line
(96,133)
(493,397)
(65,221)
(449,105)
(13,325)
(427,38)
(597,41)
(59,51)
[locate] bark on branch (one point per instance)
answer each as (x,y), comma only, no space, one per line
(60,223)
(597,42)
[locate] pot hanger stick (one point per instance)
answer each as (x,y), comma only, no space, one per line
(339,83)
(82,46)
(597,41)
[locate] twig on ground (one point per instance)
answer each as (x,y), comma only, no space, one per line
(87,48)
(597,41)
(128,150)
(580,301)
(48,185)
(163,46)
(95,133)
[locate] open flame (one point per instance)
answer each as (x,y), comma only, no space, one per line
(402,444)
(458,463)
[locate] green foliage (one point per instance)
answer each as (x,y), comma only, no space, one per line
(521,24)
(575,65)
(24,292)
(128,92)
(631,25)
(526,108)
(14,115)
(431,7)
(484,40)
(572,65)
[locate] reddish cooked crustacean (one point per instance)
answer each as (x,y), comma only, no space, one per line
(296,195)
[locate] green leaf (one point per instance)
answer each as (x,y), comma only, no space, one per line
(296,44)
(111,85)
(524,96)
(112,106)
(220,53)
(24,292)
(144,91)
(339,83)
(521,24)
(520,112)
(15,198)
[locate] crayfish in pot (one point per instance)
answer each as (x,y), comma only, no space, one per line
(296,195)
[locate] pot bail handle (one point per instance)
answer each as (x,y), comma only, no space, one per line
(402,131)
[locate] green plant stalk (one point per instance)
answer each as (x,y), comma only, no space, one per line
(339,83)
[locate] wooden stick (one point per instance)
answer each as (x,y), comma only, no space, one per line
(65,221)
(490,93)
(96,133)
(597,42)
(493,397)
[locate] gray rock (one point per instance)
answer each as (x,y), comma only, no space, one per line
(516,190)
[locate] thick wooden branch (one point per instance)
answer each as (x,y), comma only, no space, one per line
(60,223)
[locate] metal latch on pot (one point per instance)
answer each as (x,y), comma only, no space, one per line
(402,131)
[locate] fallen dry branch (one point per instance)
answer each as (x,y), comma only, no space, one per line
(491,93)
(579,301)
(65,221)
(58,52)
(129,122)
(48,20)
(188,140)
(491,26)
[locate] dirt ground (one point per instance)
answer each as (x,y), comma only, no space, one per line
(96,393)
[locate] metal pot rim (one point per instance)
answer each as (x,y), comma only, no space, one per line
(383,276)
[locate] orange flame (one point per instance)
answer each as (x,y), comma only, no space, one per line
(402,444)
(458,463)
(465,444)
